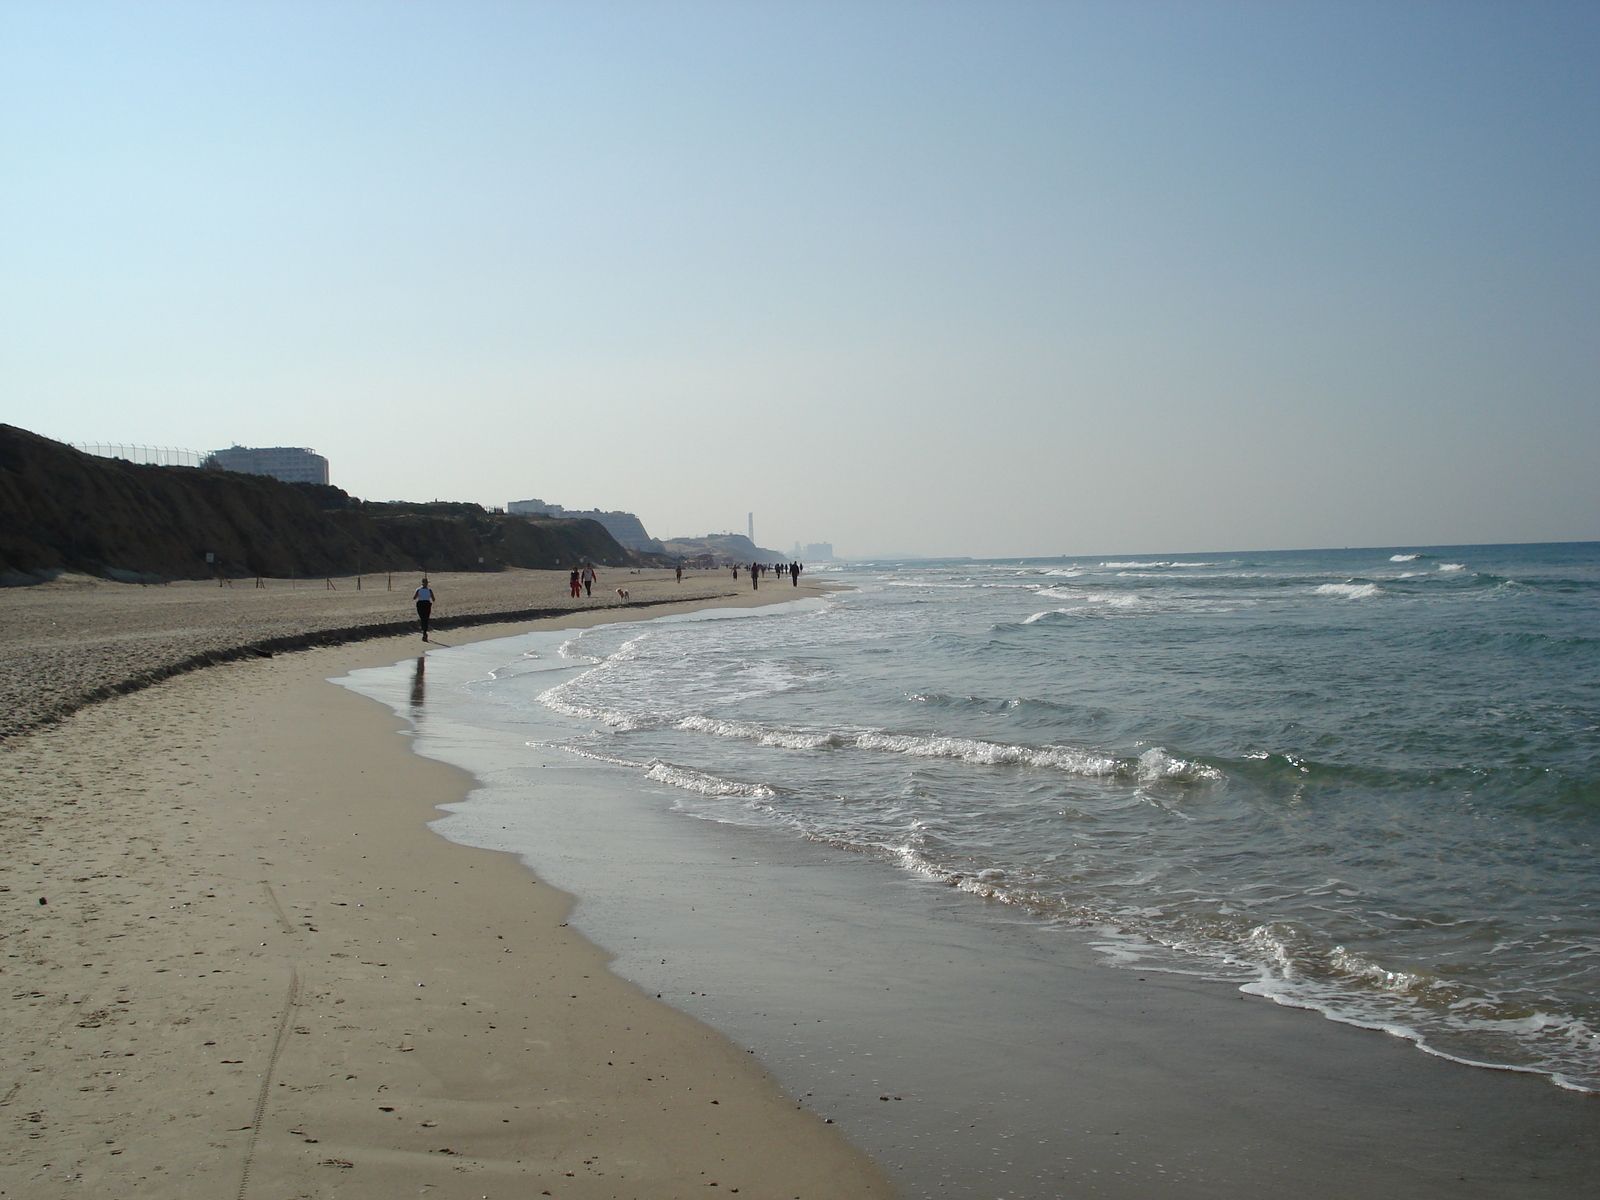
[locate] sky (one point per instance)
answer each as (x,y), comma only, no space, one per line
(992,279)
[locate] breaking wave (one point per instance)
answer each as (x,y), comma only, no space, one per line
(1350,591)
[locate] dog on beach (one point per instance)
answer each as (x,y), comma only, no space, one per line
(622,593)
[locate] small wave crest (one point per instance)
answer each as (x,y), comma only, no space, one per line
(1114,599)
(557,700)
(1050,612)
(1076,762)
(1452,566)
(705,784)
(1350,591)
(1404,557)
(762,735)
(1153,765)
(687,778)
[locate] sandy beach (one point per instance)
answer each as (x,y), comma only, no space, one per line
(240,964)
(79,639)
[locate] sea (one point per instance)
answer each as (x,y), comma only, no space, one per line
(1360,782)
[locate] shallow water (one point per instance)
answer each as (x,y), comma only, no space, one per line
(1362,782)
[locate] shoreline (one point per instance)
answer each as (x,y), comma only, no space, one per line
(79,640)
(1024,1064)
(249,905)
(310,990)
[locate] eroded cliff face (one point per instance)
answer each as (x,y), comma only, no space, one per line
(62,510)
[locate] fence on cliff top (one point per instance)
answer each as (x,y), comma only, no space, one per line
(151,456)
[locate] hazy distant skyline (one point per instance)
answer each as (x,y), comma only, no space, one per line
(982,279)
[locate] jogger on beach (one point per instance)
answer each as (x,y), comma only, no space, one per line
(424,599)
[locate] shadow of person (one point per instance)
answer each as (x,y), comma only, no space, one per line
(418,683)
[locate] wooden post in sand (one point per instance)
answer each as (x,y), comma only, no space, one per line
(329,581)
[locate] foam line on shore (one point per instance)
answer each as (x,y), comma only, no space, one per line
(270,647)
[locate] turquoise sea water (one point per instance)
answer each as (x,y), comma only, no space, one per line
(1359,781)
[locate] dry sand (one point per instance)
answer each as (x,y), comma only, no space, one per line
(241,965)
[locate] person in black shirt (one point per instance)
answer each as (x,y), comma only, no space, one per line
(424,599)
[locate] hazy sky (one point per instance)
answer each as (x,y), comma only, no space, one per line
(992,278)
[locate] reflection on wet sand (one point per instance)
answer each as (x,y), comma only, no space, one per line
(418,683)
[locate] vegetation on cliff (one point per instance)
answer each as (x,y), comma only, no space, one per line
(62,510)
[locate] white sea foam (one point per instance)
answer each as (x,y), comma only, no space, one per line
(1452,566)
(1350,591)
(972,750)
(764,735)
(585,752)
(556,699)
(569,649)
(1152,765)
(706,784)
(1114,599)
(1135,564)
(1156,764)
(680,777)
(1404,557)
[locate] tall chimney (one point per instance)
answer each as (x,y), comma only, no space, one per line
(752,519)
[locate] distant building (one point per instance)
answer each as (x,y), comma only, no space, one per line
(624,526)
(818,551)
(534,508)
(292,464)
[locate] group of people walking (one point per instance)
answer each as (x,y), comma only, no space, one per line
(581,583)
(757,570)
